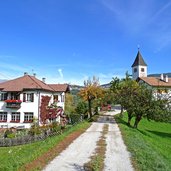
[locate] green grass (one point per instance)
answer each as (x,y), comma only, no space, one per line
(150,144)
(12,158)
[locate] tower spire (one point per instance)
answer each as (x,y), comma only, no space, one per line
(139,67)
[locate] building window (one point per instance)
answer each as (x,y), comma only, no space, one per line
(28,97)
(15,96)
(135,69)
(28,117)
(15,117)
(3,116)
(142,69)
(62,98)
(3,96)
(55,98)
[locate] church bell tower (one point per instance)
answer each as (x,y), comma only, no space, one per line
(139,67)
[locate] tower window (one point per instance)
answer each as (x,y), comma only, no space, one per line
(142,69)
(135,69)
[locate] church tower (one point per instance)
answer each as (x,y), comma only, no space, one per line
(139,67)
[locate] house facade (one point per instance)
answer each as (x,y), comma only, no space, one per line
(21,100)
(161,85)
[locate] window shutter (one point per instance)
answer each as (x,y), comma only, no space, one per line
(5,98)
(32,97)
(24,97)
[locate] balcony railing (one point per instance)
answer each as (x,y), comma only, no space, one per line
(13,103)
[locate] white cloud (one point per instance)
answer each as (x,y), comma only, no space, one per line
(60,73)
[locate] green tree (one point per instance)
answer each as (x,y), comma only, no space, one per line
(140,101)
(147,105)
(69,104)
(123,92)
(81,107)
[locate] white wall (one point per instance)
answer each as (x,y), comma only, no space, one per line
(29,107)
(139,73)
(60,102)
(25,107)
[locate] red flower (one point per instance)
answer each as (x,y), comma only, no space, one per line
(16,121)
(13,101)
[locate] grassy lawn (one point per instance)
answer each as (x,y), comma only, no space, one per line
(13,158)
(150,144)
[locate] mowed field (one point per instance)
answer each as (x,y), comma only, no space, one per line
(150,144)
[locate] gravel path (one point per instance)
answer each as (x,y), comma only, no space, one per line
(80,151)
(117,156)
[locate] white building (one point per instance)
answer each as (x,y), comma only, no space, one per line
(21,99)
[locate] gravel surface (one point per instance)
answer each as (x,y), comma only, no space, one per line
(117,156)
(79,152)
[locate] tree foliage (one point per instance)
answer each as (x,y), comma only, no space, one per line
(91,92)
(81,107)
(69,104)
(139,101)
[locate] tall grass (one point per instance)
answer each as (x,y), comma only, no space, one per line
(150,144)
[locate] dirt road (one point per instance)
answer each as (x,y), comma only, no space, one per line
(79,152)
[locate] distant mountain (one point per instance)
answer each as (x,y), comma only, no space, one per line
(158,75)
(74,89)
(105,86)
(1,80)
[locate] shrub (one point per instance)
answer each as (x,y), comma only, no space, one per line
(9,134)
(55,127)
(75,118)
(82,107)
(35,129)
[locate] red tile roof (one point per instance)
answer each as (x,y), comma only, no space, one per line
(156,81)
(59,87)
(24,82)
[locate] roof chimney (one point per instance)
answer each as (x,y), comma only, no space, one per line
(161,77)
(34,74)
(166,79)
(25,73)
(44,79)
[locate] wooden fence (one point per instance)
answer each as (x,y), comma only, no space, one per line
(7,142)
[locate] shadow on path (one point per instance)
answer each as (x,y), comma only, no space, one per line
(106,119)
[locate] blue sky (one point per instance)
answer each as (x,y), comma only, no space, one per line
(68,41)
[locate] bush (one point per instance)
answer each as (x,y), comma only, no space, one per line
(55,127)
(75,118)
(9,134)
(35,129)
(82,107)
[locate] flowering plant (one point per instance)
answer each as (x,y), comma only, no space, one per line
(13,101)
(29,121)
(15,121)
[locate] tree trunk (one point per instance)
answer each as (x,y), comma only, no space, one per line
(137,120)
(89,108)
(129,118)
(121,113)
